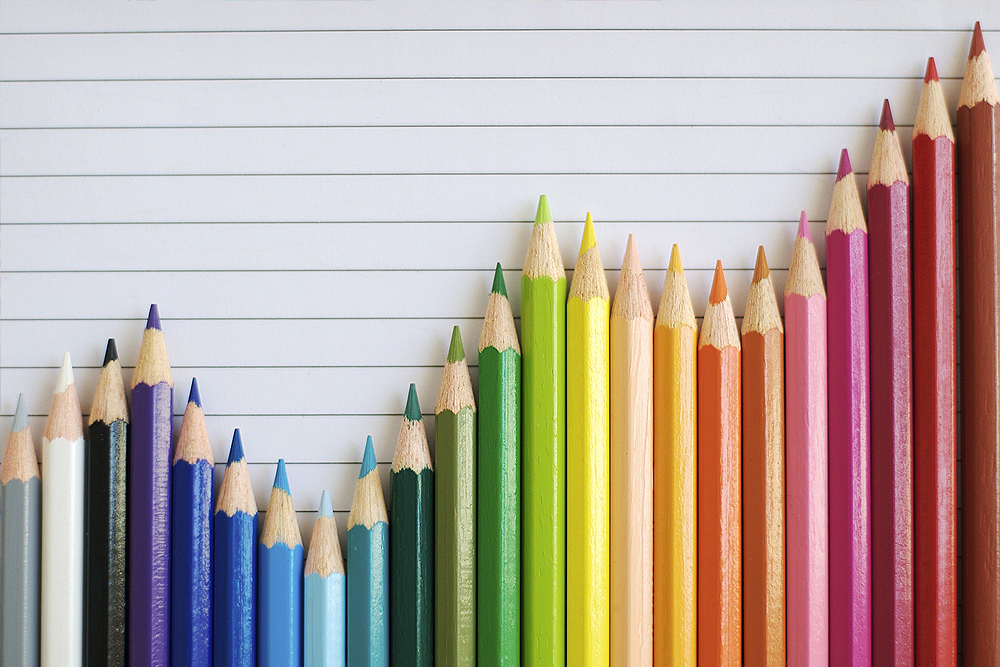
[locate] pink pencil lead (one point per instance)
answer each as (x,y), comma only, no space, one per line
(845,165)
(804,230)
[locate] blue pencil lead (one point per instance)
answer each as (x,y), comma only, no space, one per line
(153,321)
(195,395)
(325,506)
(280,478)
(368,463)
(236,449)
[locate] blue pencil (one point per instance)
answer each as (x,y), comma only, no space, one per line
(191,540)
(279,557)
(324,586)
(368,570)
(234,566)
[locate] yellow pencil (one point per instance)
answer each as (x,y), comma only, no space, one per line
(587,481)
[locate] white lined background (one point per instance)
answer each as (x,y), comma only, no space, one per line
(315,194)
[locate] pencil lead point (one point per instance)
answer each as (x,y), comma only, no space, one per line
(194,396)
(236,449)
(978,46)
(499,286)
(719,289)
(931,74)
(845,165)
(413,405)
(675,260)
(455,351)
(368,463)
(886,121)
(543,215)
(631,259)
(65,374)
(153,321)
(589,240)
(325,506)
(281,478)
(111,352)
(804,230)
(760,269)
(20,415)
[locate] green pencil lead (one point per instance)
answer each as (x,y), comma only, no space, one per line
(412,405)
(543,214)
(456,352)
(499,287)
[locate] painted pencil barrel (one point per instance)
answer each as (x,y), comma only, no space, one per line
(191,559)
(412,559)
(20,590)
(368,595)
(324,610)
(234,590)
(279,570)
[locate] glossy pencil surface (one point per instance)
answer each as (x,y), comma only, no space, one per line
(324,592)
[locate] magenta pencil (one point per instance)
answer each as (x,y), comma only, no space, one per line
(807,583)
(849,431)
(891,399)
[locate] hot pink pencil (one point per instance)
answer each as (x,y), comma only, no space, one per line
(850,481)
(807,582)
(891,400)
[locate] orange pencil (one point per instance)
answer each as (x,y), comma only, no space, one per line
(719,507)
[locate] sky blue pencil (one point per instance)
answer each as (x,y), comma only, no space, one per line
(191,540)
(234,566)
(279,563)
(325,594)
(368,570)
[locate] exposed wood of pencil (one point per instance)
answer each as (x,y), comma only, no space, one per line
(588,602)
(979,287)
(719,496)
(763,473)
(675,488)
(63,526)
(807,544)
(498,547)
(849,444)
(107,495)
(934,434)
(543,472)
(20,545)
(324,606)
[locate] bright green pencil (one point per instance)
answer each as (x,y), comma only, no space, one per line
(543,466)
(455,514)
(499,547)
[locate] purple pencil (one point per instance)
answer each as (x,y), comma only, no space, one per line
(848,381)
(149,501)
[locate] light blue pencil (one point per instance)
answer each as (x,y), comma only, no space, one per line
(368,570)
(325,592)
(279,563)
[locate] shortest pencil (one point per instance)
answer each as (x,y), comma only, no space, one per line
(279,558)
(368,565)
(324,593)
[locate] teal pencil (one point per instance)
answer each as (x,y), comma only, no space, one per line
(325,594)
(368,570)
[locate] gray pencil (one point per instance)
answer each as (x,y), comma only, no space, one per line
(20,547)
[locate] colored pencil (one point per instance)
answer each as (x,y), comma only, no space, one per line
(631,373)
(588,472)
(891,399)
(498,549)
(368,570)
(62,526)
(234,565)
(850,482)
(763,371)
(978,198)
(719,510)
(20,545)
(543,439)
(107,493)
(191,539)
(324,589)
(807,543)
(675,487)
(455,513)
(935,593)
(279,572)
(149,500)
(411,542)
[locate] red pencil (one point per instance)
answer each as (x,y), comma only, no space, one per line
(891,399)
(934,537)
(978,191)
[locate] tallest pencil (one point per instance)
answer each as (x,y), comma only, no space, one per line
(149,501)
(543,438)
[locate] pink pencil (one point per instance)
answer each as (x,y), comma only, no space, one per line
(807,615)
(850,481)
(891,400)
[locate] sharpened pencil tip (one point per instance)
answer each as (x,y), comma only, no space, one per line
(675,260)
(719,289)
(325,506)
(194,396)
(885,123)
(20,415)
(543,215)
(978,46)
(631,259)
(760,269)
(499,286)
(804,230)
(589,239)
(845,165)
(412,405)
(236,449)
(368,463)
(281,478)
(455,351)
(931,73)
(111,352)
(153,321)
(65,374)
